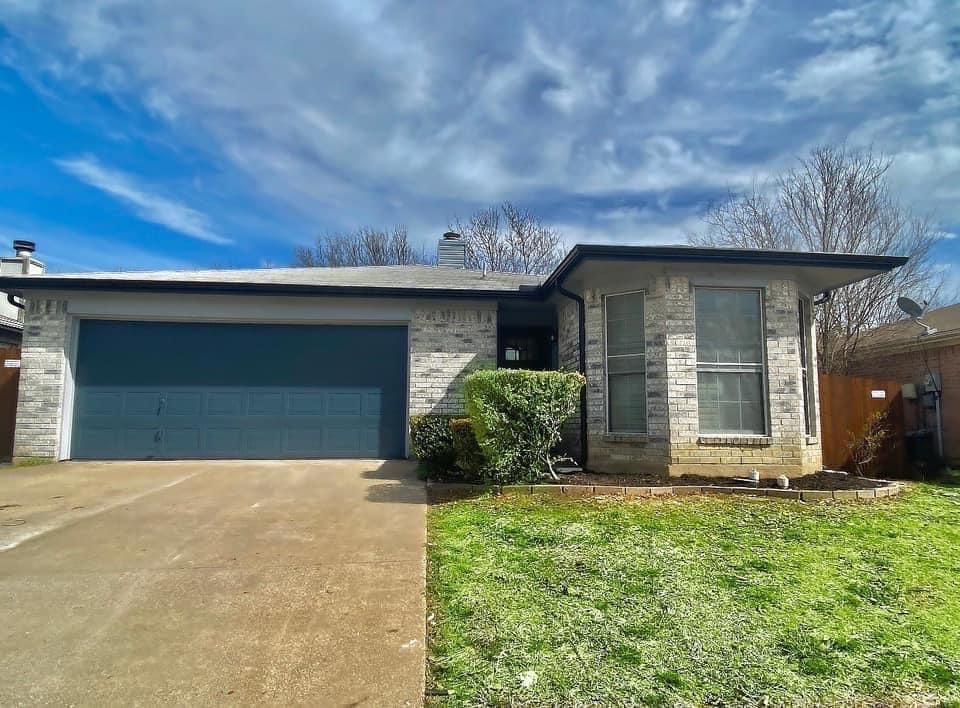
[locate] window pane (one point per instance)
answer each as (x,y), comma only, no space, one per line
(626,364)
(729,416)
(731,402)
(751,387)
(625,324)
(628,403)
(752,418)
(729,326)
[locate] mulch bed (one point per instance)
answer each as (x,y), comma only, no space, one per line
(815,481)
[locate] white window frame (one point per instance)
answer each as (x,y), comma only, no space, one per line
(736,368)
(606,368)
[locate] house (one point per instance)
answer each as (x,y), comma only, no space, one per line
(11,313)
(696,359)
(904,352)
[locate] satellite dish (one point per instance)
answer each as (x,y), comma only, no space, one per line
(910,307)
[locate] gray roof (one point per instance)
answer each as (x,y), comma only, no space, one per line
(945,320)
(834,270)
(410,277)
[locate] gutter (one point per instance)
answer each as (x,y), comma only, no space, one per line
(582,347)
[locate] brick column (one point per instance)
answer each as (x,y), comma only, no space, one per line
(42,371)
(446,344)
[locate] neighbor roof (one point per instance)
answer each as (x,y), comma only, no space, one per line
(418,280)
(907,332)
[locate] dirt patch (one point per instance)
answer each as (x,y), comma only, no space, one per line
(815,481)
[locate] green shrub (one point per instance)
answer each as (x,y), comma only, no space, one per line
(432,441)
(517,416)
(470,458)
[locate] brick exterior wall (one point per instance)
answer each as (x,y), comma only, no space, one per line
(908,366)
(785,449)
(568,359)
(447,342)
(673,442)
(42,369)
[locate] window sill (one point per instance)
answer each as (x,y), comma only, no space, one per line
(812,440)
(639,438)
(741,440)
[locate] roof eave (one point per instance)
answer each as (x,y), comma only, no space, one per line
(740,256)
(18,286)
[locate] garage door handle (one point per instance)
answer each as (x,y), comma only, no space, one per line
(160,405)
(157,436)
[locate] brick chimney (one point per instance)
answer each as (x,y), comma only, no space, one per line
(451,251)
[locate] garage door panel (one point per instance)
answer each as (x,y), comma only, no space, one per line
(263,443)
(345,403)
(182,441)
(137,440)
(224,440)
(103,403)
(307,403)
(95,438)
(310,392)
(221,403)
(372,404)
(260,403)
(305,442)
(142,403)
(183,403)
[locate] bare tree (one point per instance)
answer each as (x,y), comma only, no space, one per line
(509,239)
(836,200)
(364,247)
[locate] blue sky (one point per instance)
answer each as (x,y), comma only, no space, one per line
(191,134)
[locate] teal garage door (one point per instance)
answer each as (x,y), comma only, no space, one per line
(168,390)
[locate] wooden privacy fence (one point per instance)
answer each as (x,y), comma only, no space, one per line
(846,406)
(9,384)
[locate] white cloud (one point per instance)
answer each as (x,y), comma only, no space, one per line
(629,225)
(146,205)
(386,112)
(677,11)
(643,78)
(851,72)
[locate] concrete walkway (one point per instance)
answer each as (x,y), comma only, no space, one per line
(212,582)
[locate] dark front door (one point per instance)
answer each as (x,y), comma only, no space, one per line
(198,390)
(525,348)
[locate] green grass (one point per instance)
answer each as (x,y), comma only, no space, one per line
(700,600)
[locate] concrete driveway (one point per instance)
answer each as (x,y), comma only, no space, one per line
(212,582)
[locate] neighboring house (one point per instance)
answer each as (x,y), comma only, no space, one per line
(697,360)
(903,352)
(11,314)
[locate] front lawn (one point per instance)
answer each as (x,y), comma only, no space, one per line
(716,600)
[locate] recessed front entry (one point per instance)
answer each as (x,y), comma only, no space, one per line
(169,390)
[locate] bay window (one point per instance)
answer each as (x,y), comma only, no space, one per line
(626,363)
(730,368)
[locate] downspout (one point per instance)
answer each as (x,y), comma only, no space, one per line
(582,346)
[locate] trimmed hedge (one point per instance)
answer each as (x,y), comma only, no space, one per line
(517,416)
(432,442)
(470,458)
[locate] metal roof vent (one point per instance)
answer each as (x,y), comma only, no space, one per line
(24,248)
(451,251)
